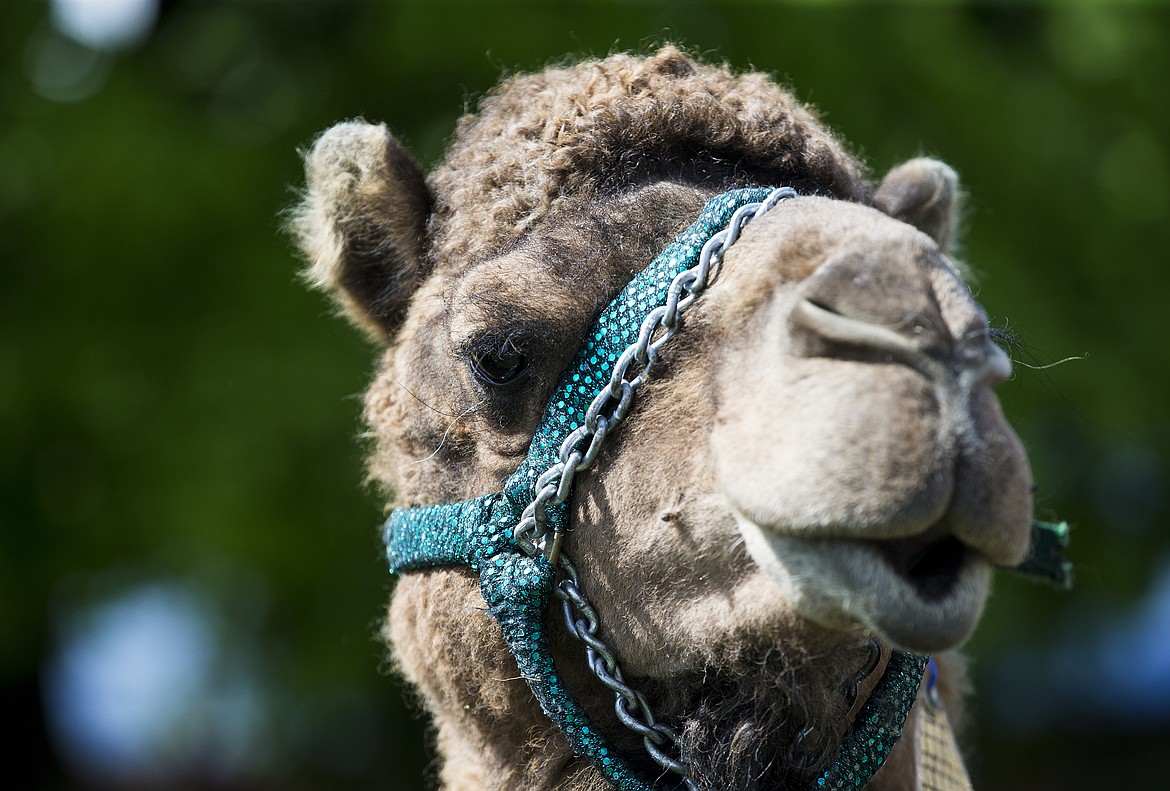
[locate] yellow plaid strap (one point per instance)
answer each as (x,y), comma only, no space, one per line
(940,766)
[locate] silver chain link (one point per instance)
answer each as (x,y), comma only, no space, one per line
(579,450)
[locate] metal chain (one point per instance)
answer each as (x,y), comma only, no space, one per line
(611,405)
(579,450)
(629,704)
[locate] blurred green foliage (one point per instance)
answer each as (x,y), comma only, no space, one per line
(175,406)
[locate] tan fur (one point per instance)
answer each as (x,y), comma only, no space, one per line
(824,420)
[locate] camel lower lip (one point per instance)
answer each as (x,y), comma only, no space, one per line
(921,594)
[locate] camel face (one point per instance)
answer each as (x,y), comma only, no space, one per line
(818,459)
(828,407)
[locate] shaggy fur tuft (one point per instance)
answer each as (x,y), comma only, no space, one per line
(541,141)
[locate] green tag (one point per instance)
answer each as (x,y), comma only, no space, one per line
(1046,560)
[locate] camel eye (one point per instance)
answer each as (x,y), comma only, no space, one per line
(499,368)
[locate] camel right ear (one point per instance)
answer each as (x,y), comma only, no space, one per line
(362,224)
(924,193)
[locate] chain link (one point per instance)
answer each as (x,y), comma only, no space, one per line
(579,450)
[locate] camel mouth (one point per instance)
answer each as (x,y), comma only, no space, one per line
(923,593)
(931,566)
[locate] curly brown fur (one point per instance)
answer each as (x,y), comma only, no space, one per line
(743,718)
(542,141)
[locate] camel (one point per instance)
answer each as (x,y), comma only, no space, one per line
(815,480)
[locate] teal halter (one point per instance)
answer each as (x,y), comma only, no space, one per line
(517,586)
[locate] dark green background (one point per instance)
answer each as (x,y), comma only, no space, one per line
(176,410)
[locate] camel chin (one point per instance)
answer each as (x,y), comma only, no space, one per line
(919,594)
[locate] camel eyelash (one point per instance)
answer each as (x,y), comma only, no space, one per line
(498,362)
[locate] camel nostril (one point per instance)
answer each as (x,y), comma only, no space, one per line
(877,302)
(820,331)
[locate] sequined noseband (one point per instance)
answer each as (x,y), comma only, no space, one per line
(512,538)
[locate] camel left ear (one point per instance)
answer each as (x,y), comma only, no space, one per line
(362,224)
(924,193)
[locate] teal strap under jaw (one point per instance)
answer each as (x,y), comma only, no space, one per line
(517,587)
(878,725)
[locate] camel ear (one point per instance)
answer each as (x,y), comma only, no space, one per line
(362,224)
(924,193)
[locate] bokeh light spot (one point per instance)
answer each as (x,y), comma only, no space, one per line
(105,24)
(143,689)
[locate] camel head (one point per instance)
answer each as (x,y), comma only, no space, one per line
(819,457)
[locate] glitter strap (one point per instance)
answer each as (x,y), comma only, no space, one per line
(878,725)
(459,533)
